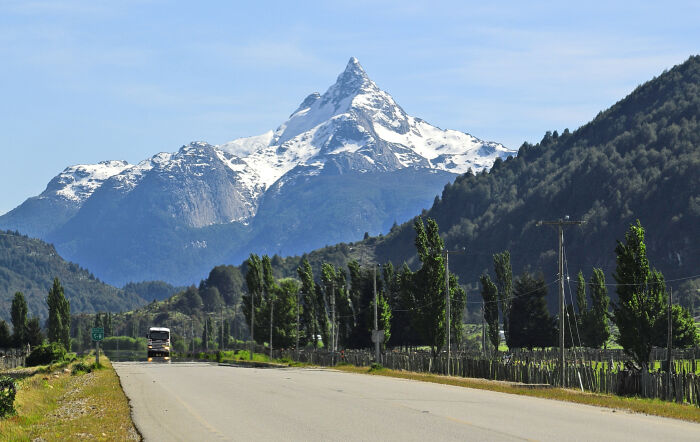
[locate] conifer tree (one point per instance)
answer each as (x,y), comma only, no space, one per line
(531,325)
(5,337)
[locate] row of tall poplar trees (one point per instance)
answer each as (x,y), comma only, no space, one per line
(641,312)
(411,305)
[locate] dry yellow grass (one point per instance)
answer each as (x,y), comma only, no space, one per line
(61,406)
(638,405)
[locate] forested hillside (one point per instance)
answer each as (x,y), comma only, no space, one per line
(29,266)
(640,159)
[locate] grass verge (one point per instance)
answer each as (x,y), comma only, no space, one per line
(637,405)
(69,403)
(233,356)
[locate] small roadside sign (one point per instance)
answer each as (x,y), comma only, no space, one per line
(378,336)
(98,333)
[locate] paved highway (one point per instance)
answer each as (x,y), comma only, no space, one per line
(202,402)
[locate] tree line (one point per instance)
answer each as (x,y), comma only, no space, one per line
(29,332)
(338,304)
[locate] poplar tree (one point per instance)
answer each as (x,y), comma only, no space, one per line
(489,293)
(599,327)
(34,335)
(641,293)
(19,320)
(504,283)
(581,302)
(59,315)
(429,286)
(458,303)
(309,318)
(227,334)
(254,281)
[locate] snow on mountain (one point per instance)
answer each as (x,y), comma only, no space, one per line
(77,183)
(354,126)
(357,126)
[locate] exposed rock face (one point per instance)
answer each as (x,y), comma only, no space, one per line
(256,189)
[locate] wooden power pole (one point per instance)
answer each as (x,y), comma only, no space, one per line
(560,223)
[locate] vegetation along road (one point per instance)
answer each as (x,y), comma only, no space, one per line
(199,401)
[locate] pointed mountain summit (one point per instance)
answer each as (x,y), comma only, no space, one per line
(174,215)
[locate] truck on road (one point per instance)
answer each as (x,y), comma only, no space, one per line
(158,343)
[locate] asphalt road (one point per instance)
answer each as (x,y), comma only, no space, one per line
(202,402)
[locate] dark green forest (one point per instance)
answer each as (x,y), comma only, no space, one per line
(30,265)
(640,159)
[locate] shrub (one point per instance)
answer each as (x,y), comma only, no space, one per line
(46,354)
(375,367)
(81,367)
(123,343)
(8,390)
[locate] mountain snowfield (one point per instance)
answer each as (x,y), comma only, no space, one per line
(354,125)
(268,193)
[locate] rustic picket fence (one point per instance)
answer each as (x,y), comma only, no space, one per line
(682,386)
(11,358)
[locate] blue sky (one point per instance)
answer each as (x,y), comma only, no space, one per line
(85,81)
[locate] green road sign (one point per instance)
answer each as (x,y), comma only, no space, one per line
(98,333)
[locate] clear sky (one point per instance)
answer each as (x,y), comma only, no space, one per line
(85,81)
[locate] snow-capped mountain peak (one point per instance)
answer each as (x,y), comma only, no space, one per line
(352,127)
(77,183)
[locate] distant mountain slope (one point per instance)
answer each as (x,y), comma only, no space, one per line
(347,161)
(29,265)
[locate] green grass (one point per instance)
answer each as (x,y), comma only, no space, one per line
(64,404)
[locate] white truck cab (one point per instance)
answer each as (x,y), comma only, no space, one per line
(158,343)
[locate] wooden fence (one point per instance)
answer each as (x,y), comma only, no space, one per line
(11,358)
(682,386)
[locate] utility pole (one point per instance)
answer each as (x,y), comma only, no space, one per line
(669,344)
(447,301)
(447,305)
(333,331)
(560,223)
(222,329)
(252,323)
(483,328)
(296,347)
(377,356)
(272,309)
